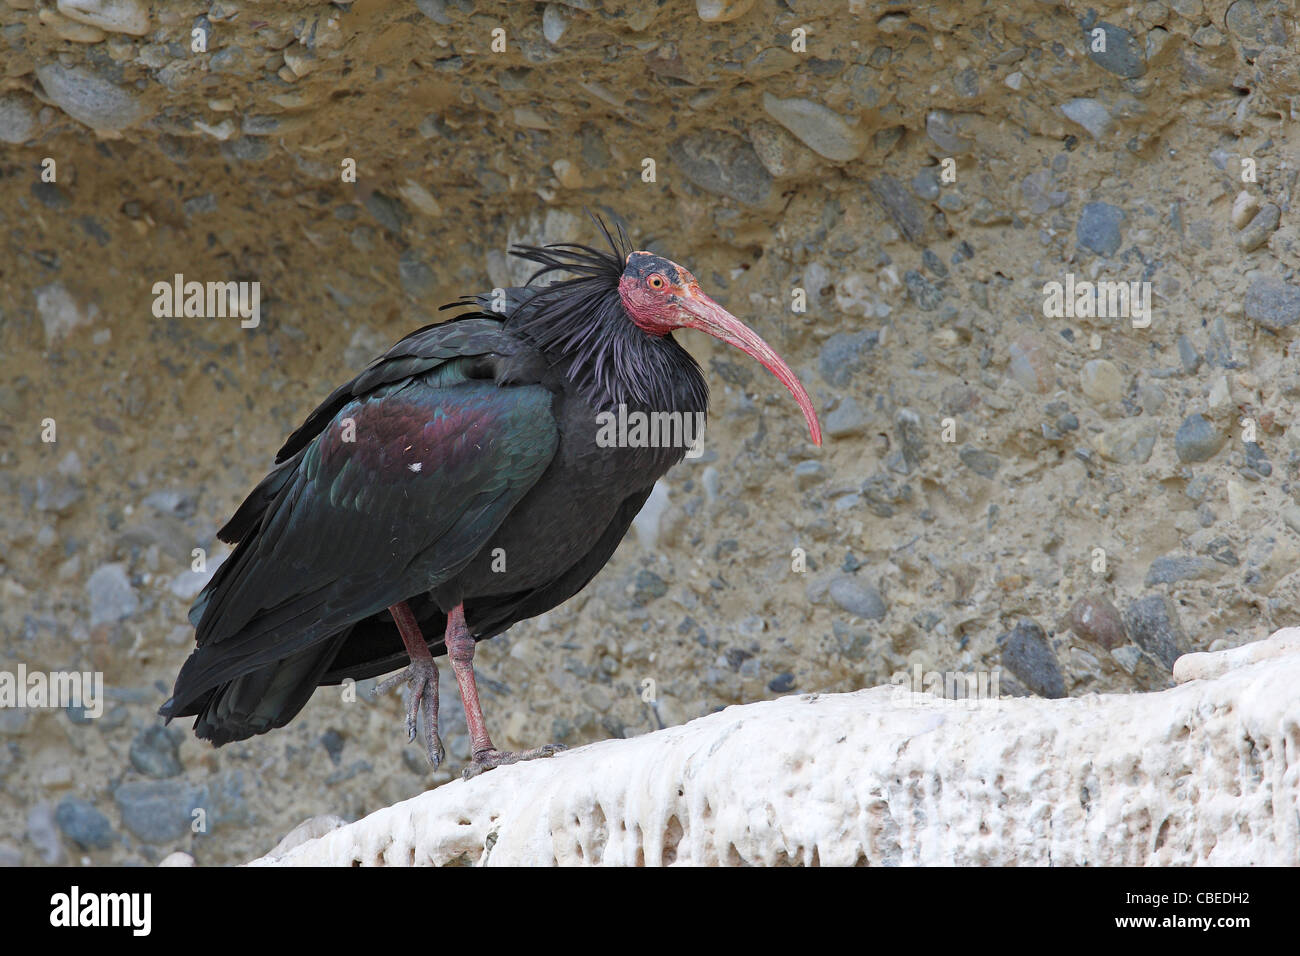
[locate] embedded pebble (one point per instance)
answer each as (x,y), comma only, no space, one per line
(112,598)
(159,811)
(1037,189)
(230,60)
(819,128)
(949,132)
(115,16)
(910,431)
(423,201)
(246,149)
(721,11)
(856,295)
(88,98)
(13,721)
(1171,568)
(435,10)
(1218,347)
(843,355)
(1145,670)
(43,833)
(1257,464)
(1261,227)
(1197,439)
(1091,114)
(197,205)
(724,164)
(554,22)
(926,294)
(1220,550)
(1244,208)
(1026,653)
(155,752)
(1122,55)
(926,184)
(1219,399)
(1152,399)
(1101,381)
(983,463)
(17,117)
(415,273)
(1272,303)
(1129,441)
(857,597)
(1258,23)
(1291,517)
(1153,624)
(847,419)
(70,30)
(83,824)
(779,152)
(899,204)
(647,587)
(1188,355)
(809,473)
(389,212)
(1029,365)
(60,313)
(57,493)
(300,60)
(1094,618)
(967,83)
(782,683)
(1099,228)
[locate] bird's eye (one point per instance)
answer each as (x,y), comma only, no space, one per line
(656,281)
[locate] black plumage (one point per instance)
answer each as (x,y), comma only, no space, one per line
(468,442)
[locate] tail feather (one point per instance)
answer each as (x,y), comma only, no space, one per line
(261,700)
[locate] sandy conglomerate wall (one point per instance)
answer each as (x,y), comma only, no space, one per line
(908,204)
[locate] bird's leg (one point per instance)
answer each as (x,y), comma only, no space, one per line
(460,649)
(422,677)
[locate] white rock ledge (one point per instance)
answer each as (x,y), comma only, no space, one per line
(1207,772)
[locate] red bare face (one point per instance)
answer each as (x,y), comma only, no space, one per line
(660,296)
(653,289)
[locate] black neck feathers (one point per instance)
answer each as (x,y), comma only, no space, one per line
(581,325)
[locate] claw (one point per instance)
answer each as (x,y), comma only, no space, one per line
(486,760)
(422,679)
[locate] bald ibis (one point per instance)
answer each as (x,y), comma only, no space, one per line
(452,488)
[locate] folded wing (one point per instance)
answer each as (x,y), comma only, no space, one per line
(391,487)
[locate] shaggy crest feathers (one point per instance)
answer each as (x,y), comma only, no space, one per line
(581,320)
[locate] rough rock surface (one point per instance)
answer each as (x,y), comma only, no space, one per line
(1204,773)
(978,484)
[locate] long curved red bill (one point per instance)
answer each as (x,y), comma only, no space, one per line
(707,316)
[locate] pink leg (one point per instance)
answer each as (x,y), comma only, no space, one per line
(460,650)
(422,677)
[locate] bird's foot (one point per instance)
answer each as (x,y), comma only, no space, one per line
(422,678)
(488,759)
